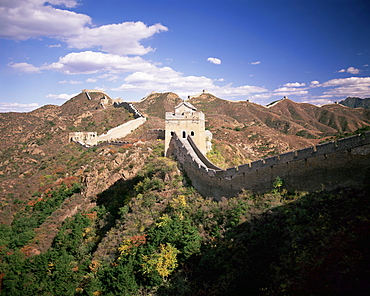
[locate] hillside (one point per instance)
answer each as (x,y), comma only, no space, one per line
(53,123)
(157,104)
(354,102)
(34,145)
(124,220)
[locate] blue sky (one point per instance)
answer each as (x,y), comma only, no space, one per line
(311,51)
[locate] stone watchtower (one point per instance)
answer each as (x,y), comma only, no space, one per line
(187,121)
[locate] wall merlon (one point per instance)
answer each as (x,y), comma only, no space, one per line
(257,164)
(287,157)
(220,174)
(306,152)
(325,148)
(230,172)
(348,143)
(244,168)
(272,160)
(366,137)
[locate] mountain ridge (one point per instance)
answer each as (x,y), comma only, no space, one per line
(355,102)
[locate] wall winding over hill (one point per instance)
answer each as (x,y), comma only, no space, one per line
(130,108)
(326,166)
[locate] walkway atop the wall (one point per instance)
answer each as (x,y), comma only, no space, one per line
(345,162)
(129,107)
(313,151)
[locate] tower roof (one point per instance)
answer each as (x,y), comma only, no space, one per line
(187,105)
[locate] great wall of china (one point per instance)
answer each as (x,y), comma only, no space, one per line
(327,166)
(331,165)
(92,139)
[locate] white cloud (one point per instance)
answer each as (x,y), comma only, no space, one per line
(24,19)
(166,79)
(319,102)
(89,62)
(348,81)
(214,61)
(292,88)
(109,77)
(25,67)
(294,84)
(17,107)
(91,80)
(315,83)
(351,70)
(284,92)
(120,39)
(261,96)
(256,63)
(54,45)
(244,90)
(344,87)
(70,82)
(63,97)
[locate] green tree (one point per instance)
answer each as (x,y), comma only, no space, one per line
(278,183)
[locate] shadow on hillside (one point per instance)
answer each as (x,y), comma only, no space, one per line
(317,245)
(113,198)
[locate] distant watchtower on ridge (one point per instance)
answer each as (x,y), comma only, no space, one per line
(187,121)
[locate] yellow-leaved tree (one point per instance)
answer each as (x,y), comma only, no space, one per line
(164,261)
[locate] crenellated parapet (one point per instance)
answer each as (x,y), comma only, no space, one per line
(331,165)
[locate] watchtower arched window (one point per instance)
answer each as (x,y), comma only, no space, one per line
(184,134)
(192,133)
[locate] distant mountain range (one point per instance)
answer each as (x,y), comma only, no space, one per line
(355,102)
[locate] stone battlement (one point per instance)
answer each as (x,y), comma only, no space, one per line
(92,139)
(177,116)
(345,162)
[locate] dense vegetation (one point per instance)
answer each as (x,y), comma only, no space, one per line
(155,235)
